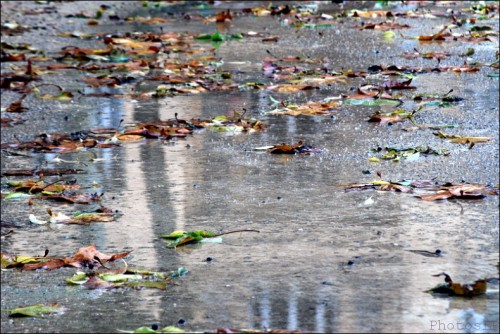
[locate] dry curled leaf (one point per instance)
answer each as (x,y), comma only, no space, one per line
(463,191)
(457,289)
(87,256)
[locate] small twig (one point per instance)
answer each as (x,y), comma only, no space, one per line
(269,52)
(100,262)
(235,231)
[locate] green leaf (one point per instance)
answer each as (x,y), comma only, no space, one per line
(64,96)
(371,102)
(273,100)
(162,285)
(316,26)
(11,261)
(220,118)
(196,236)
(78,279)
(98,14)
(480,28)
(181,271)
(388,35)
(144,329)
(14,195)
(172,329)
(138,279)
(204,37)
(217,37)
(36,311)
(174,235)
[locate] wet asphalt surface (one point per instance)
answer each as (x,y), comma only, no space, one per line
(325,260)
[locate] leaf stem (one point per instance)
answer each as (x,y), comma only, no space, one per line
(235,231)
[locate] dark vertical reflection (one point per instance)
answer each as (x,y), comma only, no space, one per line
(292,307)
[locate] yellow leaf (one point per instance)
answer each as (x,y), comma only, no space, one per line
(380,182)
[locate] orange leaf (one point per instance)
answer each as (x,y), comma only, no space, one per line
(129,138)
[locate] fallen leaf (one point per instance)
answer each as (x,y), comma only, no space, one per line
(180,238)
(383,26)
(84,257)
(224,16)
(290,88)
(36,311)
(391,84)
(310,108)
(456,289)
(457,139)
(109,279)
(299,147)
(462,191)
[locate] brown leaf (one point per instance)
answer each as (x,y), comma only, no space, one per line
(383,26)
(224,16)
(367,92)
(129,138)
(285,148)
(465,290)
(17,106)
(47,265)
(76,198)
(95,282)
(464,191)
(479,287)
(6,121)
(470,190)
(439,36)
(82,258)
(438,196)
(271,39)
(37,186)
(360,187)
(13,57)
(310,108)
